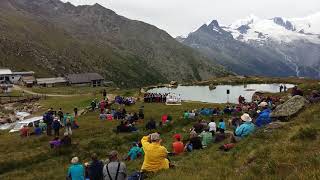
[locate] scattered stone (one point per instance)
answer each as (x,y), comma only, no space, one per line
(290,107)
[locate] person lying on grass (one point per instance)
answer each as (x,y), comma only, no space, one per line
(155,157)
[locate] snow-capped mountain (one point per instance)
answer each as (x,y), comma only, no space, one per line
(255,46)
(277,29)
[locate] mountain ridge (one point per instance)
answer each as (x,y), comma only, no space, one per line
(261,44)
(57,38)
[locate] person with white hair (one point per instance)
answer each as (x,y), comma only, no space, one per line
(264,115)
(245,129)
(76,170)
(155,155)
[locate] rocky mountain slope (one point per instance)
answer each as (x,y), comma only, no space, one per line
(56,38)
(254,46)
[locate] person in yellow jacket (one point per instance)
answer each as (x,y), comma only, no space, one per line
(155,157)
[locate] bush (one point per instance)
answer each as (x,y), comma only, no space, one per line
(306,134)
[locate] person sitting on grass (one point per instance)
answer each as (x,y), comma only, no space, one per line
(244,129)
(25,132)
(221,125)
(55,143)
(194,142)
(66,140)
(95,168)
(155,157)
(177,145)
(75,170)
(114,170)
(134,152)
(212,127)
(151,125)
(264,116)
(206,138)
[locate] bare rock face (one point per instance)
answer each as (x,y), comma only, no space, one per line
(290,107)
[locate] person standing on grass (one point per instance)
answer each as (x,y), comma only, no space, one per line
(104,94)
(114,170)
(56,126)
(68,127)
(48,119)
(95,168)
(60,114)
(75,110)
(76,170)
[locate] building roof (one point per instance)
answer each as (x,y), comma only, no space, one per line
(84,78)
(23,73)
(51,80)
(5,72)
(28,79)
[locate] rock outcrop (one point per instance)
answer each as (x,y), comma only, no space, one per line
(290,107)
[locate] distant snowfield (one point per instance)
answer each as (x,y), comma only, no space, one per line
(306,29)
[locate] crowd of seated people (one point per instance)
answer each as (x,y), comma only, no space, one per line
(125,100)
(155,97)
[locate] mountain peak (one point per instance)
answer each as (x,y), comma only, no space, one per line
(214,23)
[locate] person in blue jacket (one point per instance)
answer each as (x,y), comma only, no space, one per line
(264,116)
(245,129)
(76,170)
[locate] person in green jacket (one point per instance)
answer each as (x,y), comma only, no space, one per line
(76,170)
(206,138)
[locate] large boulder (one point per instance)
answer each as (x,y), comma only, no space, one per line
(290,107)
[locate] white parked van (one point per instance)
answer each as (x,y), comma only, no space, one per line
(31,122)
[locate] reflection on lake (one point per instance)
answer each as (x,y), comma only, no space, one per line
(219,95)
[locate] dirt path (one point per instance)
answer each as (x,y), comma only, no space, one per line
(19,88)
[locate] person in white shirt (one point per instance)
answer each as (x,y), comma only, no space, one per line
(212,127)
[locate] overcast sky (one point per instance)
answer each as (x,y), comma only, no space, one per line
(179,17)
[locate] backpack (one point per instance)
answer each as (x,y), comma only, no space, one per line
(189,147)
(136,176)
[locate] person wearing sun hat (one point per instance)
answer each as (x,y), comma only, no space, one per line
(245,129)
(155,155)
(264,116)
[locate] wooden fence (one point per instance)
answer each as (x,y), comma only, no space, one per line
(4,99)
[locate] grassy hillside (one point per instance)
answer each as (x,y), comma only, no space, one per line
(291,152)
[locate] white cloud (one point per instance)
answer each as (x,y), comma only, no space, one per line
(179,17)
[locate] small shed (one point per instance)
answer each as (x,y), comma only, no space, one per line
(52,82)
(27,81)
(85,79)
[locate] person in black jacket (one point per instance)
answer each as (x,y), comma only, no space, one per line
(95,168)
(48,119)
(56,126)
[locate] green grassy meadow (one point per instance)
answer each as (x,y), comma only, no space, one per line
(291,152)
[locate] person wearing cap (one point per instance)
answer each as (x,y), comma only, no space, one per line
(155,157)
(177,145)
(264,116)
(245,129)
(114,170)
(76,170)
